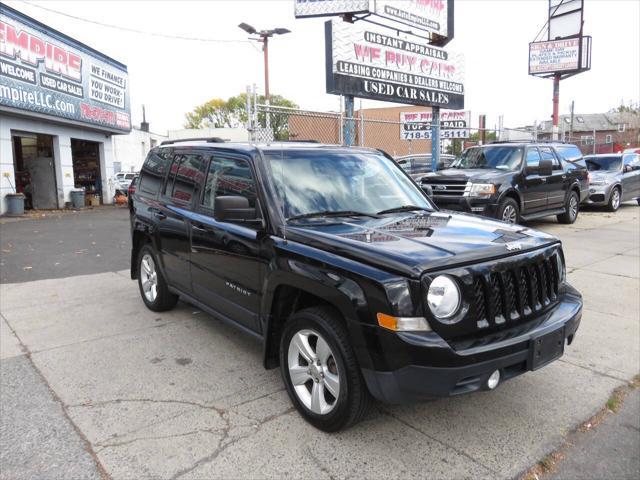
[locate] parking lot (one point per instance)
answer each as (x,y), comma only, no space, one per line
(95,385)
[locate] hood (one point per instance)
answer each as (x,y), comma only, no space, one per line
(492,175)
(411,243)
(604,176)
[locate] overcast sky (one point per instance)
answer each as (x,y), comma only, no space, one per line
(172,76)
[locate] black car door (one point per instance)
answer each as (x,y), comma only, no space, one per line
(557,182)
(226,256)
(174,207)
(535,186)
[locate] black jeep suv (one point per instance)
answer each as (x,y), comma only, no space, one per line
(352,280)
(513,182)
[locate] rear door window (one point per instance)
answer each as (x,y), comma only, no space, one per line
(187,173)
(154,171)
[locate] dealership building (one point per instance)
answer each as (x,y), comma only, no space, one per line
(61,102)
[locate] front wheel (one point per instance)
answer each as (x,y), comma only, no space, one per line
(508,211)
(614,200)
(571,209)
(320,370)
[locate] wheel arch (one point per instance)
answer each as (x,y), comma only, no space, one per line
(292,293)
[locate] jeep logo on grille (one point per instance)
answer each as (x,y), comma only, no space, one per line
(513,246)
(440,187)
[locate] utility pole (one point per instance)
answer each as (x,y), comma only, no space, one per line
(349,123)
(435,138)
(556,99)
(571,124)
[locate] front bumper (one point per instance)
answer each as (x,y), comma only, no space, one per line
(598,195)
(436,369)
(477,205)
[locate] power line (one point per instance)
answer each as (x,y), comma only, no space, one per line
(133,30)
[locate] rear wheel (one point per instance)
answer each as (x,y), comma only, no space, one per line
(320,370)
(508,211)
(571,209)
(614,200)
(153,287)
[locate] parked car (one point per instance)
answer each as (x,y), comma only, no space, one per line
(513,182)
(418,164)
(614,178)
(123,180)
(353,282)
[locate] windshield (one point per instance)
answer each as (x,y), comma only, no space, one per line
(499,157)
(595,164)
(323,181)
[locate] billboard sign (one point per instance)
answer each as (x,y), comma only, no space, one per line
(49,74)
(417,125)
(365,61)
(435,16)
(557,56)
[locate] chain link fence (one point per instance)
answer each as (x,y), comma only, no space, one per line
(272,123)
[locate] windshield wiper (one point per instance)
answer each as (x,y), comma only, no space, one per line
(333,213)
(403,208)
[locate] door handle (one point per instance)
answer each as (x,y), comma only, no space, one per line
(201,227)
(564,177)
(543,179)
(158,214)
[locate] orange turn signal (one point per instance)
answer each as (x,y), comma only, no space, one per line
(403,324)
(387,321)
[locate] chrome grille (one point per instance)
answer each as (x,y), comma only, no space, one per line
(446,187)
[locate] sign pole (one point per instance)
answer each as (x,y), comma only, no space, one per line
(556,100)
(435,138)
(348,124)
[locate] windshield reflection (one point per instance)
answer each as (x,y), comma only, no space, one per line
(309,182)
(501,157)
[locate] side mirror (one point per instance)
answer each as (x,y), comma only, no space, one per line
(545,168)
(627,168)
(234,208)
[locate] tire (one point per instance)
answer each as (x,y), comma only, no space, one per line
(508,211)
(337,373)
(572,208)
(614,200)
(153,286)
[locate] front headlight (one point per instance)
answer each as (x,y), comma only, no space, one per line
(443,298)
(482,189)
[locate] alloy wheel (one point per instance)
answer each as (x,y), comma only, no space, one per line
(313,371)
(509,214)
(615,199)
(573,206)
(149,277)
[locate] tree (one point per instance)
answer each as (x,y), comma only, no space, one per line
(232,113)
(631,108)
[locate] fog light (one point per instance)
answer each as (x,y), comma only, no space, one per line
(494,379)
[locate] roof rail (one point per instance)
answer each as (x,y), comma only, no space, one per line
(524,141)
(201,139)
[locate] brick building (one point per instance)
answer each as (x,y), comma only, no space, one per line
(597,132)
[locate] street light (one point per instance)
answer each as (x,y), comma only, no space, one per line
(263,37)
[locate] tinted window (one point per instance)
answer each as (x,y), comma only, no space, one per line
(189,173)
(570,153)
(547,154)
(154,170)
(228,176)
(612,163)
(533,157)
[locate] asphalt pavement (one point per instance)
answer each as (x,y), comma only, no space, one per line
(94,384)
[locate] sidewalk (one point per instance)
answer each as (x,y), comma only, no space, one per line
(610,451)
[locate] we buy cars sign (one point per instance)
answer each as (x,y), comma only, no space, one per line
(368,61)
(417,125)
